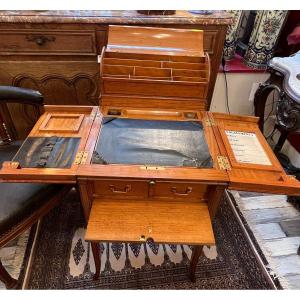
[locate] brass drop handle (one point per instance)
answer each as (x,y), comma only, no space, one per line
(40,40)
(126,189)
(142,238)
(188,191)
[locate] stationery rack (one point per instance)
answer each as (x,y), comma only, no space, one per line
(145,70)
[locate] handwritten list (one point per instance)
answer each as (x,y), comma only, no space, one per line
(247,148)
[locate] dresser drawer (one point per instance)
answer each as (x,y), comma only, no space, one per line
(120,189)
(41,42)
(177,190)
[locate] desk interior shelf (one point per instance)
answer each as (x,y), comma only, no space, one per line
(133,67)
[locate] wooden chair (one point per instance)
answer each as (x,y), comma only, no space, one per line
(21,204)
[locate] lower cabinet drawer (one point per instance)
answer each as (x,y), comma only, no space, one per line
(177,190)
(120,189)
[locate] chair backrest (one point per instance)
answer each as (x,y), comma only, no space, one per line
(11,94)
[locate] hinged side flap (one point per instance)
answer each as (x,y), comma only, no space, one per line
(55,147)
(156,41)
(252,164)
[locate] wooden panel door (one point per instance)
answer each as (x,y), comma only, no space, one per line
(57,121)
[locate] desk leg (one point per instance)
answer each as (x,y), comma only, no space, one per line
(10,283)
(97,259)
(195,257)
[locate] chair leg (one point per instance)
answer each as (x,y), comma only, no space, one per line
(96,254)
(195,257)
(9,282)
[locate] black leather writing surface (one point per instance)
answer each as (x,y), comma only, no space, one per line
(145,142)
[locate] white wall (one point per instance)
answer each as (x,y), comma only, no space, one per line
(239,89)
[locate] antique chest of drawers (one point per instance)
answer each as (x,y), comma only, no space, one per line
(55,52)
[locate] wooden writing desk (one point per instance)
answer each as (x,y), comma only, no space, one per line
(135,201)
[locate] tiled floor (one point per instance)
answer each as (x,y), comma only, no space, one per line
(276,226)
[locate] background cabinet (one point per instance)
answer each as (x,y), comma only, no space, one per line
(59,58)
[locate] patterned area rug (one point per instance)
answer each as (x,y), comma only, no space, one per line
(63,260)
(15,256)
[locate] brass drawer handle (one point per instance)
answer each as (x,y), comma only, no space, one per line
(126,189)
(188,191)
(40,39)
(143,239)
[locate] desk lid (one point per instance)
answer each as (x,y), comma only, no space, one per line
(156,41)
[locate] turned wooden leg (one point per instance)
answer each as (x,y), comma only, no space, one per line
(195,257)
(96,254)
(9,282)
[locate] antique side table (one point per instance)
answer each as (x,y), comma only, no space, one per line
(285,79)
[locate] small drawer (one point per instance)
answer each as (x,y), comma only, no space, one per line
(120,189)
(154,88)
(176,190)
(53,42)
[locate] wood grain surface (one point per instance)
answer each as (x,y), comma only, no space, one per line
(138,221)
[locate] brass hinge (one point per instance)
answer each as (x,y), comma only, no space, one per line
(81,158)
(93,115)
(223,162)
(209,122)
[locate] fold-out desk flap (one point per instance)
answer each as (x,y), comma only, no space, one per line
(142,220)
(156,41)
(249,160)
(54,148)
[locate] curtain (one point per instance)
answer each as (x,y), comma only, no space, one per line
(265,32)
(232,34)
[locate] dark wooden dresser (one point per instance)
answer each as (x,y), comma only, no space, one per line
(56,53)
